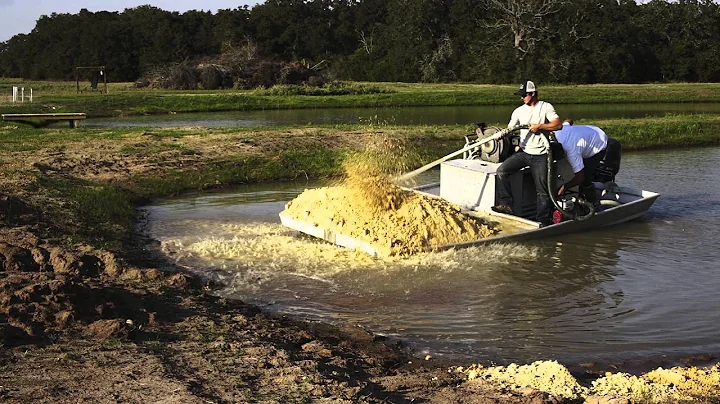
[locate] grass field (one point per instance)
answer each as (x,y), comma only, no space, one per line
(124,99)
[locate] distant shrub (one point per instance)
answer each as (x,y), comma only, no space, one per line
(239,67)
(332,88)
(142,82)
(239,58)
(182,77)
(213,77)
(264,74)
(295,73)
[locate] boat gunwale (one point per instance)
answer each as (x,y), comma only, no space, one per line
(645,197)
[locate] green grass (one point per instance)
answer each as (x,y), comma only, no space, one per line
(97,212)
(125,100)
(21,137)
(667,132)
(287,165)
(154,347)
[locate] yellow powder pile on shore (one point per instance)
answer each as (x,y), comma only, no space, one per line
(367,206)
(694,382)
(663,385)
(548,376)
(658,386)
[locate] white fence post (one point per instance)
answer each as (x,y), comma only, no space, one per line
(30,95)
(22,95)
(15,94)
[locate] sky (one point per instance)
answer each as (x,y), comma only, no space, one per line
(19,16)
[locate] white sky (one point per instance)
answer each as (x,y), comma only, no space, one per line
(19,16)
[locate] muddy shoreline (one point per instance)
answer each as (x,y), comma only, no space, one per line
(84,322)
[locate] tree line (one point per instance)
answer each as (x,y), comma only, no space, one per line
(488,41)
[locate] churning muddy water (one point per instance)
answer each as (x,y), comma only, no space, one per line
(644,289)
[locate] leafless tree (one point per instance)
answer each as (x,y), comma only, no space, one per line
(433,67)
(527,20)
(239,57)
(366,41)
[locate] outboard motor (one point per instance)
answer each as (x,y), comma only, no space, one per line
(610,164)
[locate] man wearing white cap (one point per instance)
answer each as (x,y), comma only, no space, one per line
(540,116)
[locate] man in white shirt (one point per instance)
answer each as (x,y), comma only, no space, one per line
(584,147)
(540,116)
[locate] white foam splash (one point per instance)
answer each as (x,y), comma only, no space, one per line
(262,248)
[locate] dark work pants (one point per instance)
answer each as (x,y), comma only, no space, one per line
(587,189)
(591,164)
(538,169)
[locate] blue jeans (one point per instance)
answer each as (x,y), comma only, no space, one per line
(538,169)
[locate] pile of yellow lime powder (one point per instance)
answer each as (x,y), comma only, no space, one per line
(658,386)
(370,208)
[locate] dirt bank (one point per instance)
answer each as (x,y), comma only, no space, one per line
(119,324)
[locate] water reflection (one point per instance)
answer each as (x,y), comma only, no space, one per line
(461,115)
(547,308)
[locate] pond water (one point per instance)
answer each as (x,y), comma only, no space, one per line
(400,116)
(643,289)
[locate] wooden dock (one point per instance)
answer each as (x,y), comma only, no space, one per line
(44,120)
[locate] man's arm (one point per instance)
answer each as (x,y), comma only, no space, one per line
(555,124)
(552,118)
(514,120)
(577,179)
(574,158)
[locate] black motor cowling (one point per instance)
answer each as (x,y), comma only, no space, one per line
(610,164)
